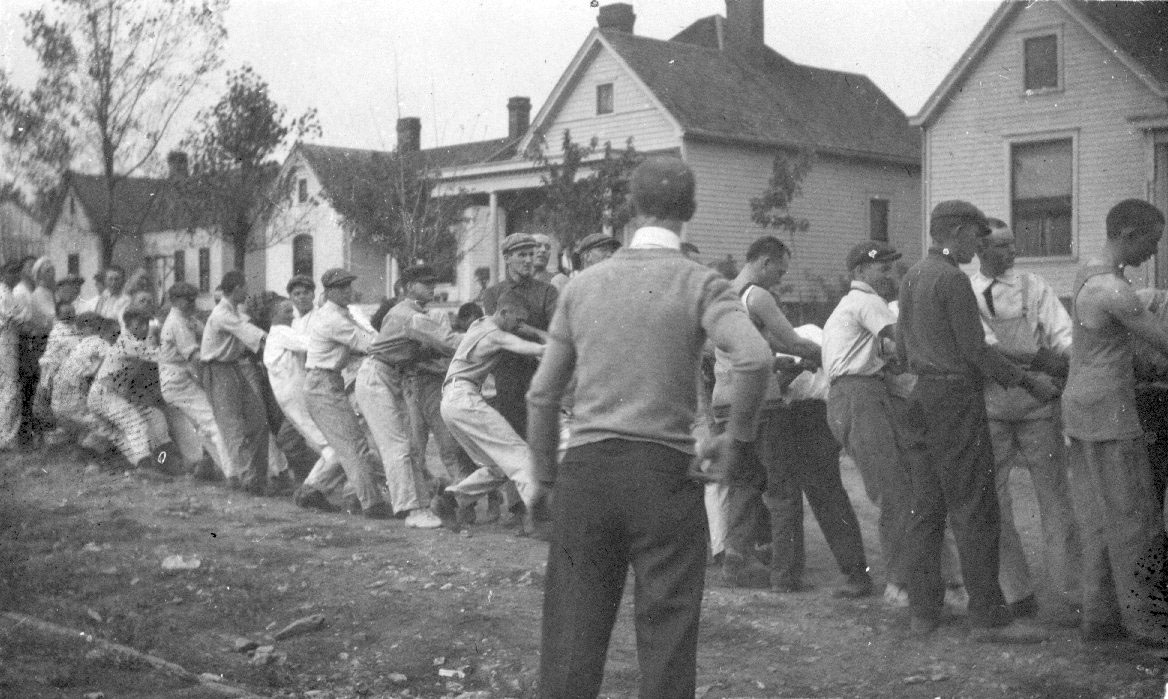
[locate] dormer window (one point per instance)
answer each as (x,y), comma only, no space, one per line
(604,98)
(1040,56)
(302,190)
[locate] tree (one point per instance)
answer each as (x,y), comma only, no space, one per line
(231,166)
(389,201)
(575,206)
(772,209)
(113,75)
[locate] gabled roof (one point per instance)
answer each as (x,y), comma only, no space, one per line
(1135,32)
(336,166)
(715,94)
(142,204)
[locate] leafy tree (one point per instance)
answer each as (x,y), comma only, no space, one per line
(389,201)
(576,205)
(772,209)
(232,169)
(113,74)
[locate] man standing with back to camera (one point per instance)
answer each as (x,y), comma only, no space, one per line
(632,330)
(939,335)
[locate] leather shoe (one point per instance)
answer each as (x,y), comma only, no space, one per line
(352,504)
(1026,607)
(380,510)
(744,571)
(855,588)
(311,498)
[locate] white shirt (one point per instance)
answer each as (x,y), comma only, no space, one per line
(284,355)
(851,342)
(332,336)
(1047,315)
(809,385)
(655,237)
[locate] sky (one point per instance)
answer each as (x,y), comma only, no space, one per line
(364,63)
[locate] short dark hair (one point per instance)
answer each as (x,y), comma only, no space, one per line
(469,312)
(108,328)
(1132,213)
(231,281)
(767,246)
(300,280)
(89,322)
(511,299)
(663,188)
(136,315)
(688,247)
(382,309)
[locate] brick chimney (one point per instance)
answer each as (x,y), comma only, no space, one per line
(744,30)
(178,165)
(409,135)
(618,16)
(518,116)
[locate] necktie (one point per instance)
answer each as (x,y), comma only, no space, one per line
(989,296)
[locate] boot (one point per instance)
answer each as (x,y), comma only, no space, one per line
(739,570)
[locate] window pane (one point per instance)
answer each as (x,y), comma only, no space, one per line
(1041,56)
(180,266)
(604,98)
(302,191)
(73,264)
(204,269)
(302,255)
(878,219)
(1043,205)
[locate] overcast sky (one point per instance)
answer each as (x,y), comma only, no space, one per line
(454,64)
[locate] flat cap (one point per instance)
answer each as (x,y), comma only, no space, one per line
(871,251)
(955,208)
(337,276)
(182,290)
(518,241)
(419,273)
(70,280)
(300,280)
(597,240)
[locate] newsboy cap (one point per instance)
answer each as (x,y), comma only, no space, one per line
(419,273)
(518,241)
(596,240)
(182,290)
(300,280)
(871,251)
(961,210)
(337,276)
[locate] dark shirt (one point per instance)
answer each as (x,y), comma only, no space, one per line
(940,331)
(540,298)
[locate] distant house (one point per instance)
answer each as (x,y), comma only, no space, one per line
(719,98)
(1057,111)
(21,231)
(159,237)
(305,234)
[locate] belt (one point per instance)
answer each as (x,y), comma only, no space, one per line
(940,376)
(324,370)
(220,362)
(851,377)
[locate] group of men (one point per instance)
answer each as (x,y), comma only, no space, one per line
(936,385)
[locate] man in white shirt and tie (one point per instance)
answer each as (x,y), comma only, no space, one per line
(1025,320)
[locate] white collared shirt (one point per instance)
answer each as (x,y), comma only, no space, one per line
(851,335)
(1047,315)
(655,237)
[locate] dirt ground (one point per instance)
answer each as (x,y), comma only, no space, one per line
(432,613)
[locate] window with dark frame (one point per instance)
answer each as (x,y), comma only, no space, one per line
(604,98)
(302,254)
(73,264)
(180,266)
(302,190)
(1040,56)
(1042,204)
(204,269)
(878,219)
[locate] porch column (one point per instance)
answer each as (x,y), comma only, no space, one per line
(496,242)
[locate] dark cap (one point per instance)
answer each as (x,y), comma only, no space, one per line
(518,241)
(11,267)
(337,276)
(961,210)
(182,290)
(419,273)
(70,280)
(871,251)
(300,280)
(596,240)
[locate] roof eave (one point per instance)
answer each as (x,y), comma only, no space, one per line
(1157,87)
(853,153)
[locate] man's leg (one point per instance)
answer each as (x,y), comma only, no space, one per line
(487,438)
(332,413)
(926,529)
(131,434)
(819,474)
(744,489)
(380,393)
(241,417)
(191,400)
(429,406)
(1044,451)
(783,498)
(1013,570)
(587,562)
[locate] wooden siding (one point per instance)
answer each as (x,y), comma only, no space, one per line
(634,112)
(72,233)
(479,249)
(834,199)
(165,243)
(968,145)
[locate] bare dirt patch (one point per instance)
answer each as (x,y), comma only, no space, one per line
(434,613)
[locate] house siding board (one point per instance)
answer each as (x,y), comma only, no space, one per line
(634,111)
(368,263)
(165,243)
(834,199)
(968,141)
(478,250)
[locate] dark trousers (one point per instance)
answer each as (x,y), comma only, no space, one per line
(802,458)
(29,373)
(242,418)
(951,461)
(618,503)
